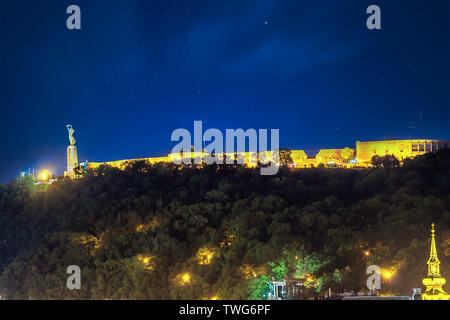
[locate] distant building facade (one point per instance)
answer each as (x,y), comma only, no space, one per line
(347,157)
(401,149)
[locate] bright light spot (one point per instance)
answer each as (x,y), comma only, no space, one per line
(147,226)
(205,255)
(367,253)
(250,272)
(186,278)
(147,262)
(44,175)
(310,281)
(215,298)
(388,273)
(228,241)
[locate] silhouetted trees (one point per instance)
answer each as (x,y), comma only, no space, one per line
(286,156)
(387,161)
(145,232)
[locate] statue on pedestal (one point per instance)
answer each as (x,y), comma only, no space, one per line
(71,131)
(72,158)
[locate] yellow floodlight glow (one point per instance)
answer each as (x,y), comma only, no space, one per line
(367,253)
(44,175)
(185,278)
(388,273)
(205,255)
(147,262)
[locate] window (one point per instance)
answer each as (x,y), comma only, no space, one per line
(414,147)
(434,146)
(421,147)
(428,147)
(280,292)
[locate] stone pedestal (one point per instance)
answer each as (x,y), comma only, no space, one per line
(72,160)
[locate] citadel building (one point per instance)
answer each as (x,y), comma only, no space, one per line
(360,156)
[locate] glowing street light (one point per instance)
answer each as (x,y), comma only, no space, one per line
(388,274)
(44,175)
(185,278)
(146,261)
(367,253)
(205,255)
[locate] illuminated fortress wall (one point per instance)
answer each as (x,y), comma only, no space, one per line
(122,163)
(175,156)
(401,149)
(327,157)
(346,157)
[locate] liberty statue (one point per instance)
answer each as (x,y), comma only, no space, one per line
(72,158)
(71,138)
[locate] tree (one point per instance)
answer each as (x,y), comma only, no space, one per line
(387,161)
(135,231)
(286,156)
(79,170)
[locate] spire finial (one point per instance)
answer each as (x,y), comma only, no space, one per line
(433,261)
(434,281)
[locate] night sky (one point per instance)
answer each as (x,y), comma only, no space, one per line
(137,70)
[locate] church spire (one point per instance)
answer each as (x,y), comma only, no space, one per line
(433,262)
(434,281)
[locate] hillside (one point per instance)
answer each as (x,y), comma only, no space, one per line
(170,232)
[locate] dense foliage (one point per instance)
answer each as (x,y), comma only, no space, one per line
(169,232)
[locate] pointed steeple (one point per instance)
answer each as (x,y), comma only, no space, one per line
(434,281)
(433,262)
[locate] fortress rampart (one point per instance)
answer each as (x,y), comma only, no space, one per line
(360,156)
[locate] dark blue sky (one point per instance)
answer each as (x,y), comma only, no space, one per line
(140,69)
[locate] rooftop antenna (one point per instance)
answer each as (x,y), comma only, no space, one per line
(421,126)
(412,126)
